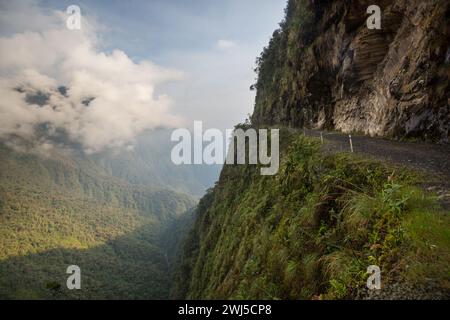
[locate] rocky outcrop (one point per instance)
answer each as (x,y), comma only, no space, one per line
(339,74)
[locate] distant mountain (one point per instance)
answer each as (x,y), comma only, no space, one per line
(149,164)
(145,161)
(61,209)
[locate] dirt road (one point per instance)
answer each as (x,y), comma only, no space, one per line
(432,159)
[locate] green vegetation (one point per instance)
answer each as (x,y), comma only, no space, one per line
(312,230)
(282,67)
(60,210)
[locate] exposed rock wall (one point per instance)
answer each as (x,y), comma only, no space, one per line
(338,74)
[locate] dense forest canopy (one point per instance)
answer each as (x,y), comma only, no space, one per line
(57,211)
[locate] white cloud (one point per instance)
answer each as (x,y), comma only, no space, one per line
(121,93)
(225,44)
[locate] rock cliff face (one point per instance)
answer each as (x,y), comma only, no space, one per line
(325,68)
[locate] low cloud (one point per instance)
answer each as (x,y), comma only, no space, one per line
(57,80)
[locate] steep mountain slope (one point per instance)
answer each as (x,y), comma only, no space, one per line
(312,231)
(59,209)
(324,68)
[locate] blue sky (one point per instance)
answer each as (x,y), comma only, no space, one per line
(185,35)
(158,28)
